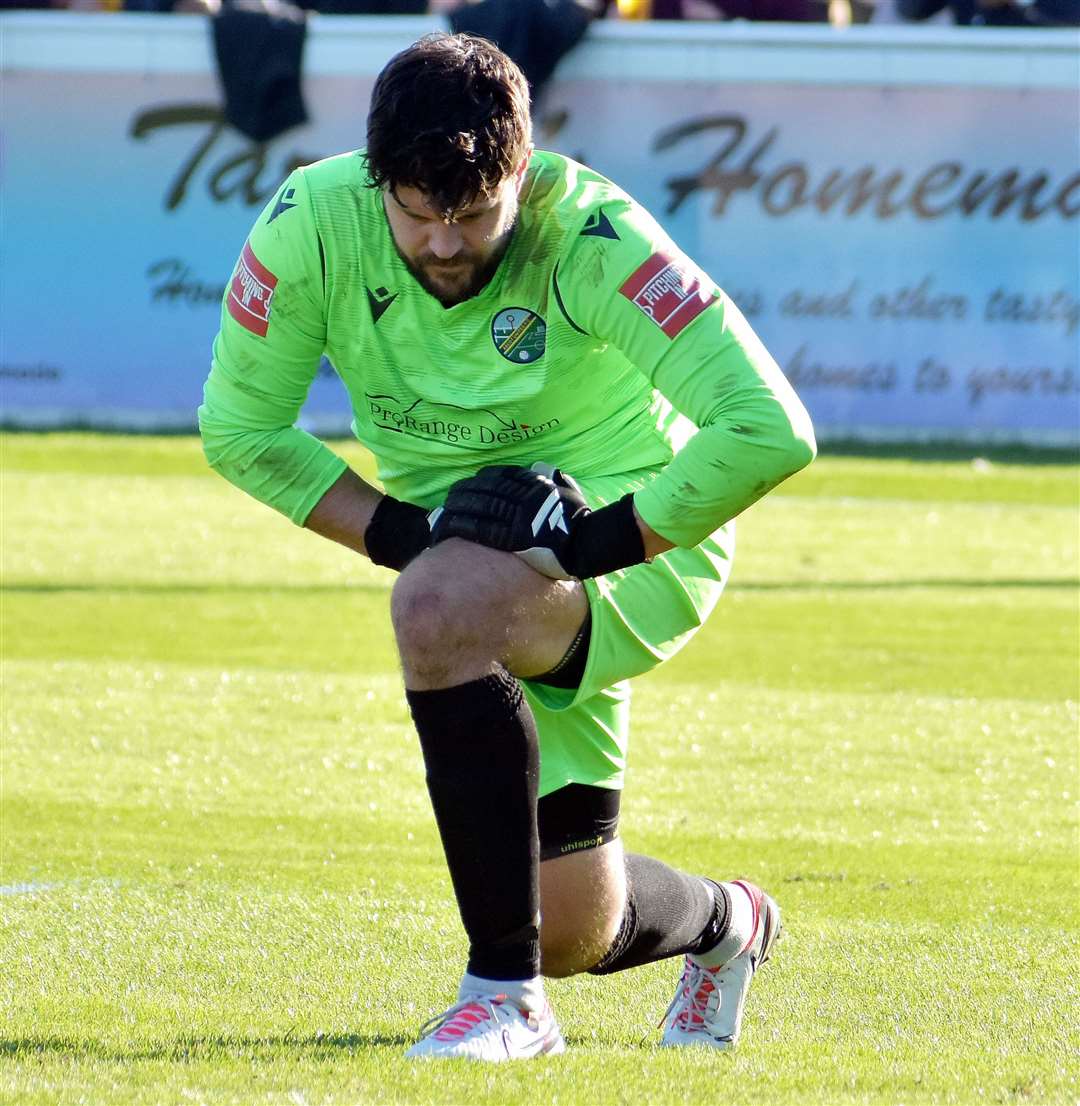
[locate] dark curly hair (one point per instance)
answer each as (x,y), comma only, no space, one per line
(449,116)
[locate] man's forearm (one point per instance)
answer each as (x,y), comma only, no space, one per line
(356,515)
(345,510)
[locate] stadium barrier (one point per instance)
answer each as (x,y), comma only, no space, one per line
(896,209)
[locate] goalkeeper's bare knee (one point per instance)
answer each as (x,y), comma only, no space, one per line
(460,610)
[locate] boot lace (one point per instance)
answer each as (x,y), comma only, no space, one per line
(463,1017)
(691,1001)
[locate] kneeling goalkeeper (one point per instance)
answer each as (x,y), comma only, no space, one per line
(567,414)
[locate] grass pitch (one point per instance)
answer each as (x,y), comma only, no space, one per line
(221,881)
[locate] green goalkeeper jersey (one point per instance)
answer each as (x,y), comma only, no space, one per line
(597,346)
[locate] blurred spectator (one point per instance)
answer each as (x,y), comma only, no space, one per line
(535,33)
(195,7)
(788,11)
(259,45)
(329,7)
(367,7)
(67,5)
(996,13)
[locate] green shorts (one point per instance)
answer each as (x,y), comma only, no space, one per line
(641,616)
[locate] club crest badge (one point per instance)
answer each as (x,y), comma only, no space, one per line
(519,335)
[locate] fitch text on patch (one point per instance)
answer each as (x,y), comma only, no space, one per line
(672,291)
(251,292)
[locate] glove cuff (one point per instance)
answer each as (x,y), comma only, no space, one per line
(397,533)
(607,539)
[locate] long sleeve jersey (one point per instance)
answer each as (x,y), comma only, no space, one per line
(597,346)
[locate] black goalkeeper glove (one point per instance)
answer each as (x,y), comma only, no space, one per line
(397,533)
(540,515)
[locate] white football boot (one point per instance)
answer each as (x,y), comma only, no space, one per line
(489,1027)
(707,1009)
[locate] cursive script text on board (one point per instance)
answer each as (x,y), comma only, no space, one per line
(811,372)
(173,282)
(242,175)
(747,164)
(921,301)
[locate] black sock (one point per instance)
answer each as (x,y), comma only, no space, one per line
(483,766)
(668,913)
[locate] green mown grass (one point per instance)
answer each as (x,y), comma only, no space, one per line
(222,881)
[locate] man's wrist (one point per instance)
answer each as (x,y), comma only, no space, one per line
(397,533)
(655,543)
(608,539)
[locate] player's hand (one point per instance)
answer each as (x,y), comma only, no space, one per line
(541,515)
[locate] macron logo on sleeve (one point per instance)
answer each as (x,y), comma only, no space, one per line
(250,293)
(672,291)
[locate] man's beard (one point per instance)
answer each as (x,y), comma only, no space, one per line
(462,277)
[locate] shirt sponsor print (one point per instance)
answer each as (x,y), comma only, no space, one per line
(519,335)
(250,293)
(450,423)
(672,291)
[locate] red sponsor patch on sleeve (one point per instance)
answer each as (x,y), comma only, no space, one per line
(672,291)
(250,293)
